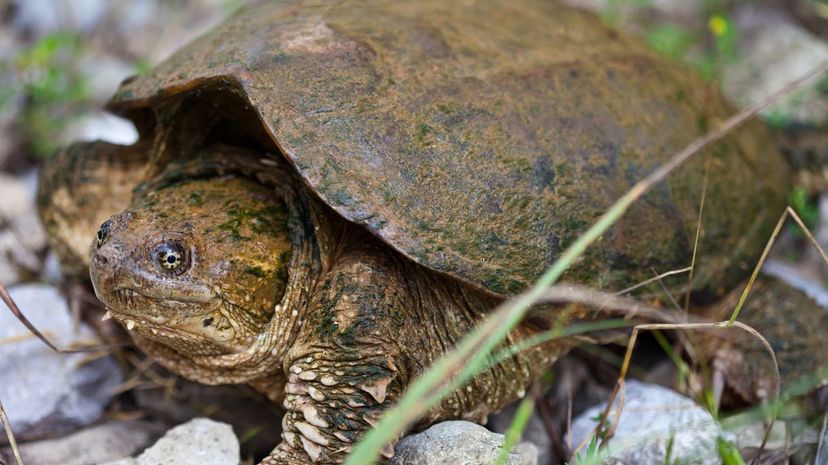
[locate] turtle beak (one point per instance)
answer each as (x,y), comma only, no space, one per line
(105,254)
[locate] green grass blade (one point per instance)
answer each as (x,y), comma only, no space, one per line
(668,455)
(524,412)
(729,452)
(473,350)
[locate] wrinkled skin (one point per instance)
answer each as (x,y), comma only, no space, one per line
(198,266)
(223,280)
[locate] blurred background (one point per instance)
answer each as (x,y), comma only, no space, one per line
(60,60)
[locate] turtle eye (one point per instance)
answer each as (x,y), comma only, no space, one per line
(102,234)
(171,257)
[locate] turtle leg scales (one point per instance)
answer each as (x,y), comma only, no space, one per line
(345,368)
(329,406)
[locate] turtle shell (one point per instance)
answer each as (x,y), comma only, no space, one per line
(481,138)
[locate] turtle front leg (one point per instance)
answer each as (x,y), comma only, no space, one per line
(345,369)
(331,402)
(80,188)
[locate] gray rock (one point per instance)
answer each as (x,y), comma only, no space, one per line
(822,457)
(775,50)
(246,410)
(458,443)
(200,441)
(50,271)
(90,446)
(45,392)
(651,415)
(22,237)
(534,433)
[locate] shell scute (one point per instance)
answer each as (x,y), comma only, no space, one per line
(481,141)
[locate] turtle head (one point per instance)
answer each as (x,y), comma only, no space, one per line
(198,266)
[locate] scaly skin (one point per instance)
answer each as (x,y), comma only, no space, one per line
(271,288)
(81,176)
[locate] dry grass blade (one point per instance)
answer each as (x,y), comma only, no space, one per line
(668,294)
(607,434)
(569,418)
(4,294)
(653,279)
(548,423)
(605,303)
(21,337)
(698,235)
(788,212)
(7,299)
(7,427)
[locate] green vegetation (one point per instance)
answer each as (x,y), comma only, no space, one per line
(519,422)
(729,452)
(591,454)
(52,85)
(706,48)
(805,206)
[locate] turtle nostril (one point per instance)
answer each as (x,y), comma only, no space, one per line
(103,232)
(101,259)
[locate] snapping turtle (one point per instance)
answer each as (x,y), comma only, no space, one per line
(325,198)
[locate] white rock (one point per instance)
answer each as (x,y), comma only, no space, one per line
(651,416)
(101,125)
(200,441)
(50,271)
(92,445)
(775,51)
(458,442)
(136,15)
(44,391)
(22,237)
(16,197)
(794,278)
